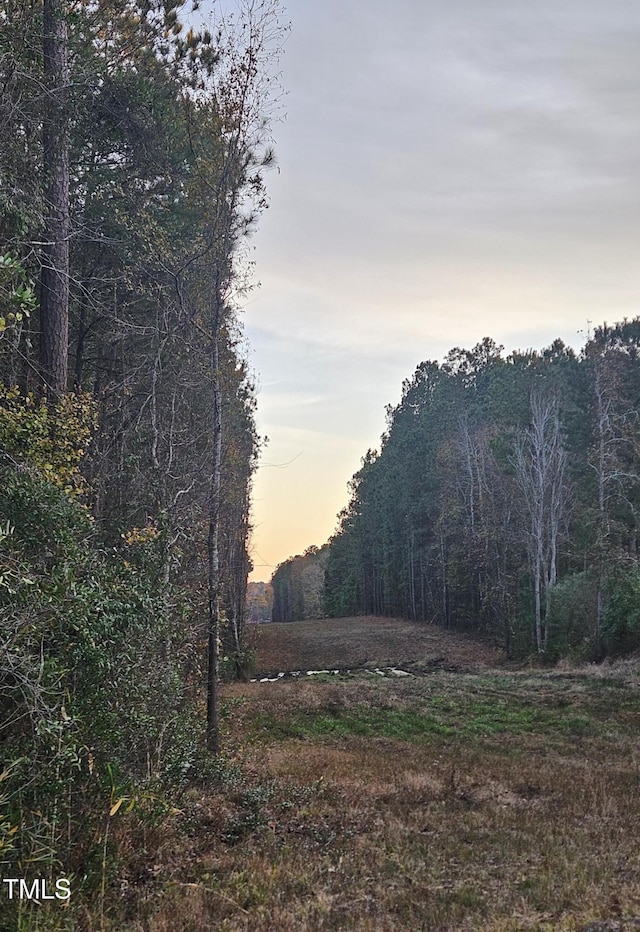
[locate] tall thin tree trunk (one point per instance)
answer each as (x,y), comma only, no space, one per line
(443,562)
(537,582)
(83,330)
(213,741)
(54,319)
(412,577)
(602,412)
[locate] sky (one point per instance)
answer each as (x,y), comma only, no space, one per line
(446,172)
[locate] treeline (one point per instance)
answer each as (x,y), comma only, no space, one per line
(259,602)
(505,499)
(131,172)
(298,585)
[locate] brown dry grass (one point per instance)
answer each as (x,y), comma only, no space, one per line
(366,641)
(490,800)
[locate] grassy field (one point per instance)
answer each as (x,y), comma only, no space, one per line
(464,796)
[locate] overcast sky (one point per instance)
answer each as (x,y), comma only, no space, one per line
(447,171)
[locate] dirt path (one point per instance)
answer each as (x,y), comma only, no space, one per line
(368,641)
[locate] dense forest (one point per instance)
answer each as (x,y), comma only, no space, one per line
(505,499)
(298,586)
(132,168)
(259,602)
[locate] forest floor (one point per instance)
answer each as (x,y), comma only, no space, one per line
(447,791)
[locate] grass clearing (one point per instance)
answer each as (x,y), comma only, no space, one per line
(493,799)
(446,705)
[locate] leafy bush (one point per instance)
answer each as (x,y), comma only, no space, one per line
(572,617)
(17,296)
(621,628)
(52,439)
(238,665)
(89,696)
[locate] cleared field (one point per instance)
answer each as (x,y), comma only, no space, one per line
(366,641)
(488,799)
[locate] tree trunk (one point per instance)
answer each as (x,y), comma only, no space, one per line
(540,462)
(603,424)
(54,315)
(213,741)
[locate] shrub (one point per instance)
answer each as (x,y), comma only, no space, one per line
(89,696)
(621,628)
(572,617)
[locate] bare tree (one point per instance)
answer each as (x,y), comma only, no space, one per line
(540,464)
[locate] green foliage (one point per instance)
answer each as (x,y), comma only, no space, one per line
(572,618)
(17,296)
(449,523)
(298,586)
(238,664)
(103,561)
(89,692)
(621,627)
(53,438)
